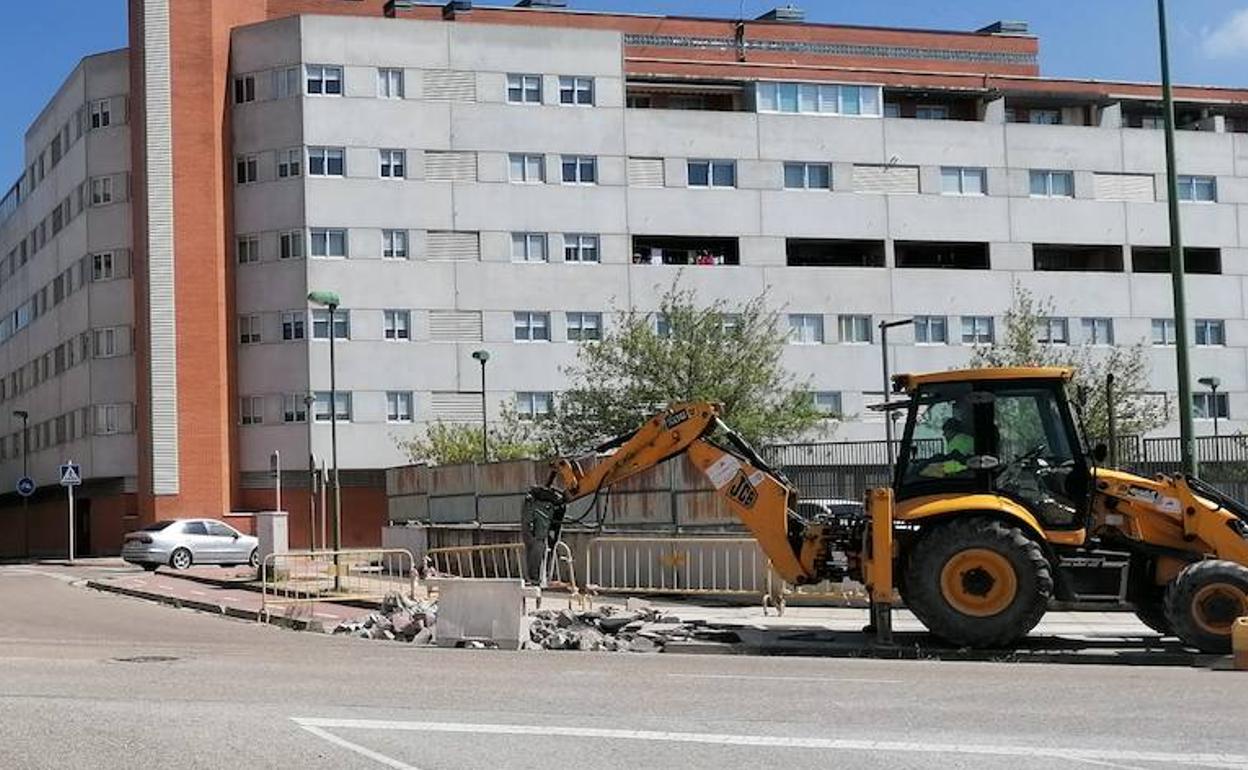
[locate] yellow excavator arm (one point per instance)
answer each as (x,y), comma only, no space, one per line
(760,496)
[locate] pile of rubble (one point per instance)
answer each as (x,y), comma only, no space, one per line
(609,628)
(400,618)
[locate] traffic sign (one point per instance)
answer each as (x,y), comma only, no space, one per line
(71,475)
(26,486)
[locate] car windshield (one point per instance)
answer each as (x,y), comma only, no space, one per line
(156,526)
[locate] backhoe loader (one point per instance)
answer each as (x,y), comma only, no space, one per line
(996,510)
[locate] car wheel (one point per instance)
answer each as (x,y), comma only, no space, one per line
(254,560)
(180,559)
(149,567)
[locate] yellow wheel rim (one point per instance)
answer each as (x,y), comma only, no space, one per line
(979,582)
(1216,607)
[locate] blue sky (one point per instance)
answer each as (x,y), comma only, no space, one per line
(1109,39)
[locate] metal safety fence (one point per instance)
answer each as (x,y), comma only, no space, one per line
(503,560)
(296,580)
(691,566)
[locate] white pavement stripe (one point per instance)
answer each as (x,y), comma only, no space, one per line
(358,749)
(228,599)
(198,593)
(778,741)
(749,677)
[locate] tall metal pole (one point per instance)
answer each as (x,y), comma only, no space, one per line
(485,425)
(1187,436)
(1113,428)
(309,402)
(25,417)
(333,448)
(888,416)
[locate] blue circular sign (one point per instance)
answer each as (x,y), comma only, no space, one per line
(25,486)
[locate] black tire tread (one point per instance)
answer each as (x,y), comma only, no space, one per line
(928,557)
(1183,590)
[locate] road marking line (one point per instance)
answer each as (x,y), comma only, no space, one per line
(357,748)
(198,593)
(228,599)
(778,741)
(324,614)
(749,677)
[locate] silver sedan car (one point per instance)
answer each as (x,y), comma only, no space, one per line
(183,542)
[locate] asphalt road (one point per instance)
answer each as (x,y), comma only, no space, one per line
(94,680)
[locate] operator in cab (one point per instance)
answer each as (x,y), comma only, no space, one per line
(959,446)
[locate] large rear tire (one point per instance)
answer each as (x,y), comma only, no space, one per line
(978,582)
(1150,608)
(1205,600)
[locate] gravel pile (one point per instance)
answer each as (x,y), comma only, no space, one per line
(611,629)
(400,618)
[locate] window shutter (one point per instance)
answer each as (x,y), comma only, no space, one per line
(455,326)
(450,166)
(1124,187)
(645,172)
(886,179)
(446,244)
(450,86)
(456,407)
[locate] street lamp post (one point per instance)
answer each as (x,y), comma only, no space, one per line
(331,301)
(888,417)
(1187,439)
(1213,383)
(24,416)
(482,356)
(308,402)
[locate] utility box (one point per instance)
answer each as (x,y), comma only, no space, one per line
(272,532)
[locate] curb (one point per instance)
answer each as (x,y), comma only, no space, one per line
(206,607)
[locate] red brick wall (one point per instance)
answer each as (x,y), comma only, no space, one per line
(363,515)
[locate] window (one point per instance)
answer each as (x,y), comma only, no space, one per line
(931,330)
(1200,189)
(807,176)
(393,164)
(324,80)
(106,343)
(806,328)
(248,329)
(712,173)
(102,266)
(1156,259)
(329,242)
(1210,332)
(292,324)
(662,326)
(818,98)
(247,248)
(394,244)
(1061,256)
(289,163)
(106,419)
(812,252)
(827,402)
(534,406)
(1053,331)
(244,89)
(290,245)
(956,180)
(294,407)
(1163,331)
(855,329)
(246,169)
(1044,117)
(1052,184)
(286,82)
(530,169)
(584,327)
(320,324)
(1098,331)
(524,89)
(528,247)
(342,407)
(397,324)
(574,90)
(101,114)
(101,191)
(977,330)
(580,247)
(251,410)
(580,169)
(398,406)
(931,112)
(938,254)
(531,327)
(326,161)
(390,83)
(1205,406)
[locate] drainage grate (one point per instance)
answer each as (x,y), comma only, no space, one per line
(147,659)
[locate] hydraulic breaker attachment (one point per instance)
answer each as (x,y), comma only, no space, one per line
(878,562)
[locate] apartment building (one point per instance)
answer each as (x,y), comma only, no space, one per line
(512,179)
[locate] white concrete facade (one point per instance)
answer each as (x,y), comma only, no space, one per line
(460,283)
(65,290)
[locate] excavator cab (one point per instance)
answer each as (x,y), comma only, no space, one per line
(1011,437)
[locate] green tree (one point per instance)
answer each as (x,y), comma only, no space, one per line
(722,352)
(1135,411)
(452,443)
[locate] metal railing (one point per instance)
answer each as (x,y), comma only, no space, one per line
(297,580)
(721,566)
(503,560)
